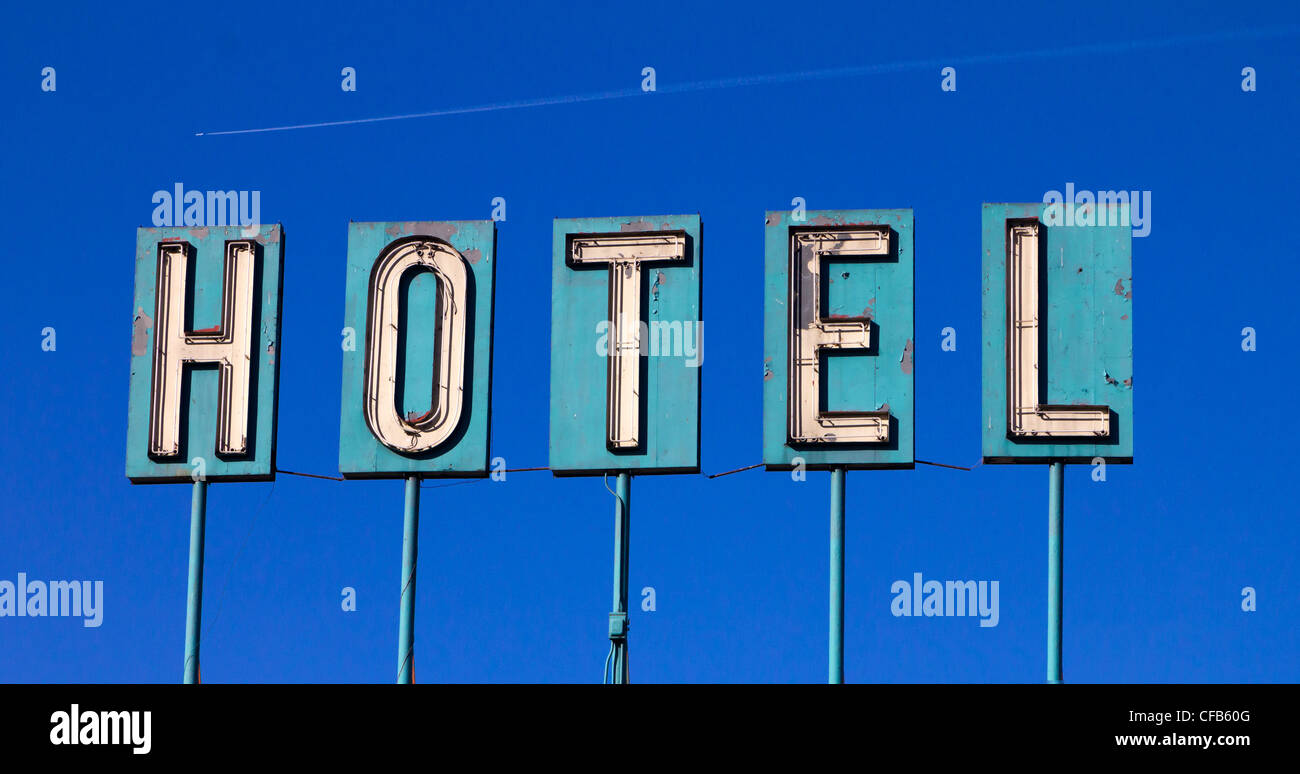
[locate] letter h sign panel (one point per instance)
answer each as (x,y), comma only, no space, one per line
(205,357)
(626,345)
(838,340)
(417,349)
(1058,336)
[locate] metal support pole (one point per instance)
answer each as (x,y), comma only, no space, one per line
(618,618)
(837,578)
(1055,552)
(194,597)
(406,625)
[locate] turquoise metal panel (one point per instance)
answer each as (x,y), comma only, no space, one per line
(465,454)
(199,417)
(1087,272)
(670,384)
(852,381)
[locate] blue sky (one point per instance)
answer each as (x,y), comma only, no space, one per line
(514,577)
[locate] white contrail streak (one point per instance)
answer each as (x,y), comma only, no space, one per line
(523,103)
(807,75)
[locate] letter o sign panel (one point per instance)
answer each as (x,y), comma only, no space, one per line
(417,349)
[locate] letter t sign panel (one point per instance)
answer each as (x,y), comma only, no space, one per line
(626,345)
(838,340)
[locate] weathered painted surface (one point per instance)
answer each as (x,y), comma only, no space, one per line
(199,413)
(1085,334)
(669,400)
(466,452)
(880,378)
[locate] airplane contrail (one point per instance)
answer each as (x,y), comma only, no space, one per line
(806,75)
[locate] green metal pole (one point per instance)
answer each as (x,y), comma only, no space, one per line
(837,577)
(194,597)
(1055,552)
(618,618)
(406,625)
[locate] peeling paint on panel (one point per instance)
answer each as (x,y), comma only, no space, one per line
(424,227)
(140,332)
(906,359)
(1119,289)
(473,256)
(659,282)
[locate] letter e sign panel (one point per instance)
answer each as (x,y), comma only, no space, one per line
(417,382)
(205,354)
(838,340)
(1058,335)
(626,345)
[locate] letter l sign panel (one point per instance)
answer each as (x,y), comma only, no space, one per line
(205,354)
(1057,336)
